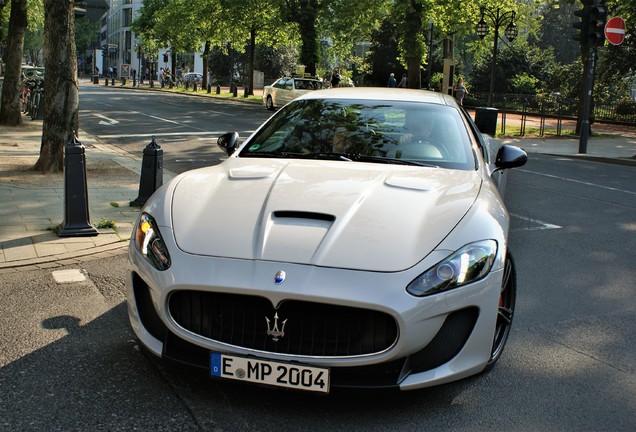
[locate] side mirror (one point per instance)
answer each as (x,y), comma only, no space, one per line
(229,142)
(510,157)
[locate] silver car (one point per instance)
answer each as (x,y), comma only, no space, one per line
(356,239)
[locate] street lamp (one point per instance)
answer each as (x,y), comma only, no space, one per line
(497,19)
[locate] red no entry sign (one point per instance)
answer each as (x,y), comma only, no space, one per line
(615,31)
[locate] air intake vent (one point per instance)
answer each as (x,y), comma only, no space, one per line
(303,215)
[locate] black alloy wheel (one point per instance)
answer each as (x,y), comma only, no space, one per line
(505,312)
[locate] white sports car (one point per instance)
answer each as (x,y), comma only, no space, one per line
(356,239)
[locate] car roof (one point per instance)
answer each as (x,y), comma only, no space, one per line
(382,93)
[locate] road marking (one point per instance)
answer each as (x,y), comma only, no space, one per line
(540,224)
(162,119)
(107,121)
(577,181)
(68,276)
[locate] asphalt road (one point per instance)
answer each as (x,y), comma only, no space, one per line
(186,127)
(68,360)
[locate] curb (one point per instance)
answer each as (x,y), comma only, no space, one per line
(70,258)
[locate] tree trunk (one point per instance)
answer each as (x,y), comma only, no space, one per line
(413,44)
(309,37)
(206,65)
(61,93)
(10,112)
(305,14)
(250,66)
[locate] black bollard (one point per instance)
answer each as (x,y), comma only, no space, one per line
(187,85)
(209,88)
(151,173)
(246,92)
(218,88)
(235,91)
(76,220)
(112,81)
(194,86)
(106,82)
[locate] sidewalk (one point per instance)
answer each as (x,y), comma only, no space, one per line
(33,204)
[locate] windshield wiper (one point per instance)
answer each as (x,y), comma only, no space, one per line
(386,160)
(328,156)
(267,154)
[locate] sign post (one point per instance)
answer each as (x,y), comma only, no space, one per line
(615,31)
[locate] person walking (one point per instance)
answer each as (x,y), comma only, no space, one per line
(402,83)
(460,91)
(392,81)
(335,78)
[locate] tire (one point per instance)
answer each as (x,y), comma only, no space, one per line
(505,312)
(269,103)
(35,107)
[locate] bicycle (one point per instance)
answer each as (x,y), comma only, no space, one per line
(38,94)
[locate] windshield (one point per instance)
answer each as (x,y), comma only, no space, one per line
(367,131)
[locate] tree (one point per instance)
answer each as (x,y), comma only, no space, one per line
(304,13)
(10,112)
(383,56)
(61,98)
(410,14)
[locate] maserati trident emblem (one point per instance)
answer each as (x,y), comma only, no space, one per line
(279,277)
(274,332)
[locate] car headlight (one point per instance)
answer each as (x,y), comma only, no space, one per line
(149,242)
(464,266)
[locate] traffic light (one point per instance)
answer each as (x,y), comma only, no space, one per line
(165,57)
(596,30)
(583,25)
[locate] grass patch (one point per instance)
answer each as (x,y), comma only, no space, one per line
(105,223)
(114,204)
(513,131)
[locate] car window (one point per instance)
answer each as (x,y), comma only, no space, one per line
(392,130)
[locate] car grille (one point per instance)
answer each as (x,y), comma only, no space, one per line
(310,329)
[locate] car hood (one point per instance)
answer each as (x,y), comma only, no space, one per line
(325,213)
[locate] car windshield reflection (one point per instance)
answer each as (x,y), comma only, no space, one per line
(366,131)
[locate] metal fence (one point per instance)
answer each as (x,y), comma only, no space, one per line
(551,114)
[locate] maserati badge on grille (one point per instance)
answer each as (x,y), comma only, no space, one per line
(274,332)
(279,277)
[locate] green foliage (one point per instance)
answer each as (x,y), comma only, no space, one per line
(523,83)
(105,223)
(382,58)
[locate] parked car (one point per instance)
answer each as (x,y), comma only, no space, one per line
(193,77)
(286,89)
(355,239)
(32,72)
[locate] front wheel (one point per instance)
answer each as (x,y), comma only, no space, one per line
(505,311)
(36,106)
(269,103)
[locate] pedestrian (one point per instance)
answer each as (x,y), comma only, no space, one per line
(402,83)
(335,78)
(110,71)
(460,91)
(392,81)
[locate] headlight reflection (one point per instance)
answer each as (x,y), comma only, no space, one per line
(464,266)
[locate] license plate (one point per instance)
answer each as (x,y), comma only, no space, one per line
(290,375)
